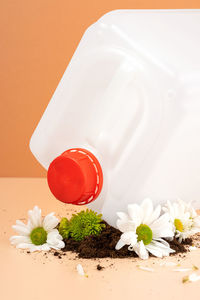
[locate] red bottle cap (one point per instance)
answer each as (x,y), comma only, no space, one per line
(75,177)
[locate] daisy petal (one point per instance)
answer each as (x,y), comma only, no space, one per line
(162,227)
(129,238)
(163,245)
(52,236)
(58,246)
(169,209)
(19,222)
(135,213)
(22,230)
(159,249)
(154,250)
(165,232)
(34,248)
(141,251)
(119,244)
(18,239)
(155,215)
(44,247)
(50,222)
(147,207)
(35,217)
(54,239)
(163,242)
(24,246)
(124,226)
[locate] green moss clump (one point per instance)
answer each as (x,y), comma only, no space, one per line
(83,224)
(64,228)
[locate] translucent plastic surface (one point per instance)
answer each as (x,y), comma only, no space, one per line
(131,96)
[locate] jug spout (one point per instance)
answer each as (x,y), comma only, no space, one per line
(75,177)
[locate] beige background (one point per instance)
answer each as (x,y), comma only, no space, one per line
(38,39)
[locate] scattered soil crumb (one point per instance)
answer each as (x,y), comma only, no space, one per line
(99,267)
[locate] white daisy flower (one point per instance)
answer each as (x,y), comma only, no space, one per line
(184,219)
(38,234)
(143,229)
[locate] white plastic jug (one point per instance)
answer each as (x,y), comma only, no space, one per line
(128,105)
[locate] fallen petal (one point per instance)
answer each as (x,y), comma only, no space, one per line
(191,248)
(145,268)
(182,270)
(80,270)
(193,277)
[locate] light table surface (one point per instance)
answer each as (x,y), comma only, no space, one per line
(37,276)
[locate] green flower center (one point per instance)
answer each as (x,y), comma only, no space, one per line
(178,224)
(144,234)
(38,236)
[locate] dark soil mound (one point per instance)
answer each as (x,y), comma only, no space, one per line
(180,248)
(104,245)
